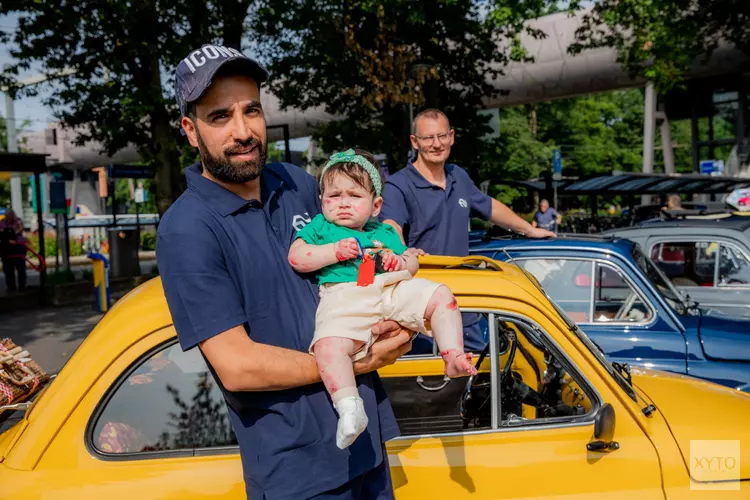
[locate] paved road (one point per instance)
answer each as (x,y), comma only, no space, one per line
(51,335)
(32,277)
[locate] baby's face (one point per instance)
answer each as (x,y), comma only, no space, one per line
(348,204)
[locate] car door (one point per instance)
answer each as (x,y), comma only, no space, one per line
(607,301)
(500,451)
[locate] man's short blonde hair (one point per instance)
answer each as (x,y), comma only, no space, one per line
(431,113)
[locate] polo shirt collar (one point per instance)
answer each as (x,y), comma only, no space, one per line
(420,181)
(224,201)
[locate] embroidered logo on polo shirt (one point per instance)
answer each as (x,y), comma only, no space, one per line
(300,221)
(462,202)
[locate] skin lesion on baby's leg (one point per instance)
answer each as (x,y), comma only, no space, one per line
(333,355)
(445,319)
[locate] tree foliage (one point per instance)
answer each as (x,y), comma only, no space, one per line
(660,40)
(123,54)
(367,62)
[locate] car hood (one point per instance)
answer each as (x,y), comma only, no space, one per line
(724,337)
(698,410)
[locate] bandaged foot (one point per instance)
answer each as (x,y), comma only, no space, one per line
(352,420)
(458,364)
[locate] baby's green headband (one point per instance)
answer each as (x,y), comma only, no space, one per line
(349,156)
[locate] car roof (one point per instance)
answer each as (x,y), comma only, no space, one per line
(145,308)
(572,241)
(730,223)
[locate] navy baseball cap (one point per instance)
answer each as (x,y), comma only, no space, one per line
(196,72)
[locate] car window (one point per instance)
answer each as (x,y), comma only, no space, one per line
(734,266)
(166,401)
(616,300)
(566,281)
(687,263)
(534,385)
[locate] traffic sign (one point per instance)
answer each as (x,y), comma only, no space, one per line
(557,161)
(140,195)
(707,167)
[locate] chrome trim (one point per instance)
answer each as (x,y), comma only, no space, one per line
(496,413)
(525,428)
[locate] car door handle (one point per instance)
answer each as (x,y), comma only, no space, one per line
(446,381)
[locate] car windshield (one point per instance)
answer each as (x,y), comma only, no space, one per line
(657,278)
(590,344)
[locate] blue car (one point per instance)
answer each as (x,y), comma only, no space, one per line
(628,307)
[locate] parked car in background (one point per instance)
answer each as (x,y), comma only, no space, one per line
(708,258)
(629,307)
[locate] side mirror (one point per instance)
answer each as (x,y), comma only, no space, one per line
(604,430)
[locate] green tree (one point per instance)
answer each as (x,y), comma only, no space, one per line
(367,62)
(661,39)
(121,54)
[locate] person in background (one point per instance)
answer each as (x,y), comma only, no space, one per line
(430,203)
(13,252)
(546,217)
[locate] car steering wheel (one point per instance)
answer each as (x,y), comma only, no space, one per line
(626,306)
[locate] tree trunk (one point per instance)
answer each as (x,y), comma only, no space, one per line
(164,152)
(233,18)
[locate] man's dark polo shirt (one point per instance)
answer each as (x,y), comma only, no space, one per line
(432,218)
(223,262)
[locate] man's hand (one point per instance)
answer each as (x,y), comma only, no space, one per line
(414,251)
(393,342)
(538,232)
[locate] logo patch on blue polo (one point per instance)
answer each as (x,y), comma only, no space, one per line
(462,203)
(300,221)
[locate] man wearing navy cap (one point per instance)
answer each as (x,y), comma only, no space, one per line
(431,201)
(222,253)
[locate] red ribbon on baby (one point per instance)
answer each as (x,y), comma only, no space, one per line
(366,272)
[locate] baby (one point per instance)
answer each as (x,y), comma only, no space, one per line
(344,243)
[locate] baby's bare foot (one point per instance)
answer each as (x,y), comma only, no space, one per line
(458,364)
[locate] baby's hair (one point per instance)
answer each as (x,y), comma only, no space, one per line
(353,171)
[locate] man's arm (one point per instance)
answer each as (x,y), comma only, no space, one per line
(505,217)
(244,365)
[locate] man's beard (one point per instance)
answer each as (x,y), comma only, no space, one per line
(224,170)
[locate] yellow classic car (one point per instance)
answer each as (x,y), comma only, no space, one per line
(131,416)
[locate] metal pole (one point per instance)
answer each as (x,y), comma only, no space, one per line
(40,224)
(648,135)
(287,150)
(66,243)
(666,143)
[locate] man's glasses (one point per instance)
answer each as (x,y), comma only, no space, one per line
(429,139)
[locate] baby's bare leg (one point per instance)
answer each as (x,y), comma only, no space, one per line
(443,314)
(333,355)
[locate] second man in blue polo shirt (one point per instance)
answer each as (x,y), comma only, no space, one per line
(431,201)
